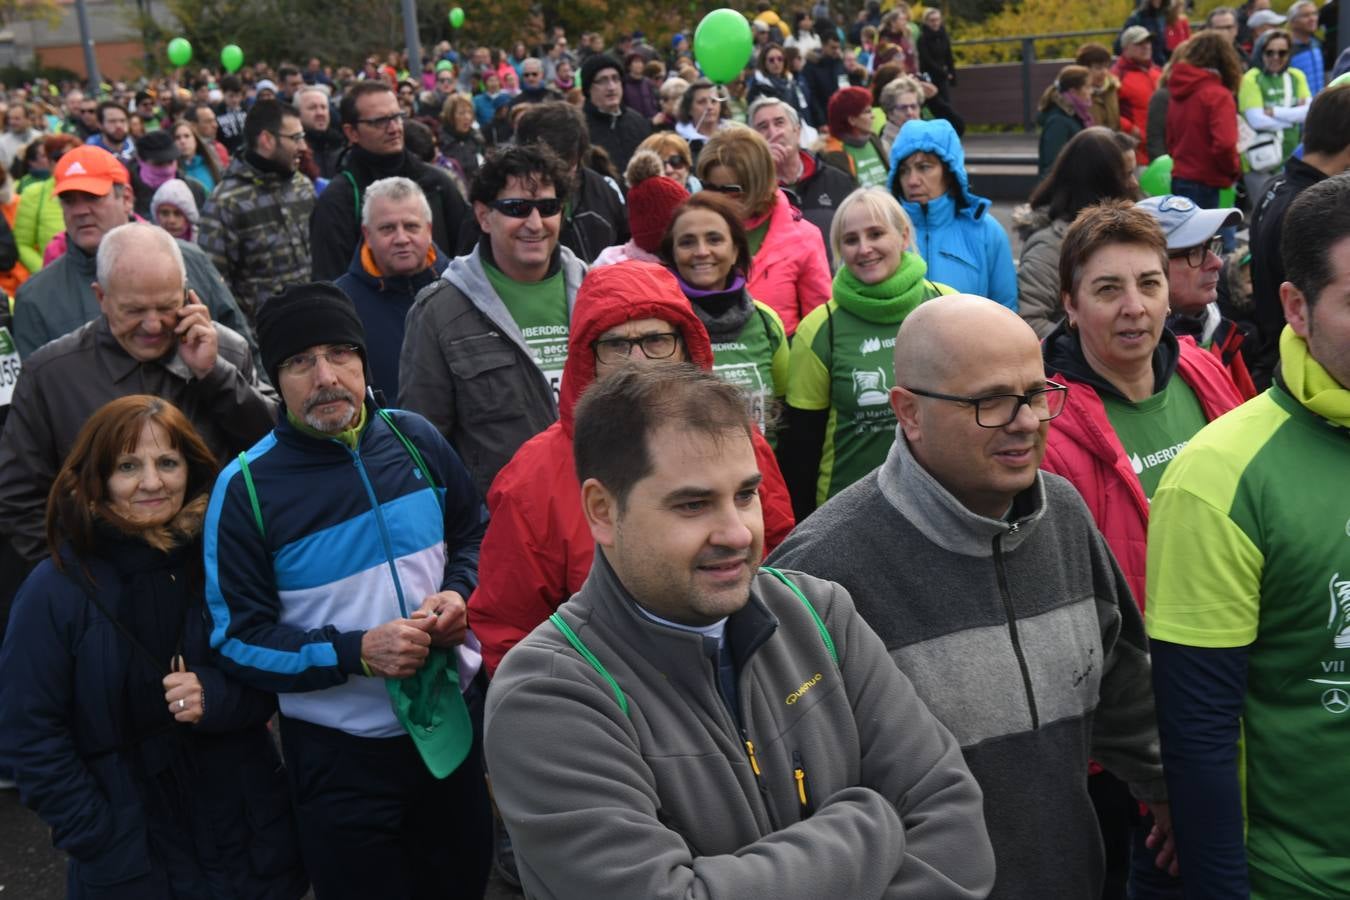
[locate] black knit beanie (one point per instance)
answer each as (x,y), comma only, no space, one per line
(303,316)
(593,66)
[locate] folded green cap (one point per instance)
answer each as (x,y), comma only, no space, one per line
(431,707)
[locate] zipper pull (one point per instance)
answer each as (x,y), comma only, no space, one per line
(799,775)
(754,763)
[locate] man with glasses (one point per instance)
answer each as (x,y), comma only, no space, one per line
(373,122)
(818,188)
(1194,267)
(533,87)
(433,102)
(339,551)
(485,347)
(1224,21)
(255,226)
(613,126)
(995,593)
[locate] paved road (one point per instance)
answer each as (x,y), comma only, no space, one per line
(31,870)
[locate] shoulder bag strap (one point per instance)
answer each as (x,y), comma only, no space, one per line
(820,623)
(590,657)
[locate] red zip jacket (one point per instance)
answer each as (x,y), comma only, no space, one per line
(1137,84)
(1202,127)
(790,272)
(538,548)
(1083,447)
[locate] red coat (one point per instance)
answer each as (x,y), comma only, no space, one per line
(1202,130)
(790,272)
(1137,84)
(1083,447)
(538,548)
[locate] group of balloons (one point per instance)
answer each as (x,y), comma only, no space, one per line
(180,54)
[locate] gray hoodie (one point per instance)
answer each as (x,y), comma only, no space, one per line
(466,368)
(1020,635)
(665,802)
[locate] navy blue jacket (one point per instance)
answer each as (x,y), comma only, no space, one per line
(145,807)
(351,539)
(383,304)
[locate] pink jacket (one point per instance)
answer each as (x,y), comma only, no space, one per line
(790,272)
(1083,447)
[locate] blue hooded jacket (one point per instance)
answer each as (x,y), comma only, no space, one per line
(965,248)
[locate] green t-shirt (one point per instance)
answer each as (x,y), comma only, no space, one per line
(1153,431)
(842,363)
(869,167)
(540,311)
(757,363)
(1259,90)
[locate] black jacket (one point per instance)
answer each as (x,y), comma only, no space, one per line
(144,806)
(821,78)
(820,194)
(619,134)
(335,227)
(327,147)
(1268,267)
(598,217)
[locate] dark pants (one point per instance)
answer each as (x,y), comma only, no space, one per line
(375,823)
(1206,197)
(1130,868)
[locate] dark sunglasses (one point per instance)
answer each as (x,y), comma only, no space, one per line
(520,208)
(676,162)
(723,188)
(1278,54)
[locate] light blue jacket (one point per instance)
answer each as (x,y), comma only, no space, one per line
(965,247)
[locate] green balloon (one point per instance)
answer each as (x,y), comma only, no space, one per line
(456,17)
(1157,178)
(231,57)
(722,45)
(180,51)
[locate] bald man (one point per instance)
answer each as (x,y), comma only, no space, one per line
(996,595)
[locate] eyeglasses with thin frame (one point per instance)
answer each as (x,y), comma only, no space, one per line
(999,410)
(383,122)
(723,188)
(341,355)
(521,207)
(1196,256)
(657,345)
(297,137)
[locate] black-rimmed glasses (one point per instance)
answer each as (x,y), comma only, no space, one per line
(999,410)
(383,122)
(657,345)
(1196,256)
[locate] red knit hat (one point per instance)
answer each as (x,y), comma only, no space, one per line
(651,203)
(844,105)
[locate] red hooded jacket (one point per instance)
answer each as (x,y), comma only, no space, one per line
(1083,447)
(538,548)
(1202,129)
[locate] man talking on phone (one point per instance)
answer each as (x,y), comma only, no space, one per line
(153,336)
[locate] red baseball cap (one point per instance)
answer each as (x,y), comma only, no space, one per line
(92,170)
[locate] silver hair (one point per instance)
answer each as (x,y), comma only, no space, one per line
(763,102)
(313,88)
(126,240)
(393,189)
(1298,7)
(901,84)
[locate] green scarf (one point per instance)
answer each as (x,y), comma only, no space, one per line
(887,302)
(350,436)
(1309,383)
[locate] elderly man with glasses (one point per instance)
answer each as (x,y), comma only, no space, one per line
(994,592)
(255,226)
(484,348)
(373,122)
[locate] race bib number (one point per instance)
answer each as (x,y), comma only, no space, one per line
(10,366)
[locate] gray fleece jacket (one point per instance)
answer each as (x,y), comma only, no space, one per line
(1022,638)
(466,368)
(666,802)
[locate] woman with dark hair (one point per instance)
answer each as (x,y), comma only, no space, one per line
(1105,86)
(773,78)
(197,159)
(1066,109)
(1177,27)
(705,246)
(803,36)
(788,271)
(701,114)
(1202,114)
(1094,166)
(155,773)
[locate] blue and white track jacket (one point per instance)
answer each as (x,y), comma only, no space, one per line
(352,539)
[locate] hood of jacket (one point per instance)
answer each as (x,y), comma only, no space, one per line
(1063,353)
(362,269)
(612,295)
(937,137)
(1187,80)
(1258,58)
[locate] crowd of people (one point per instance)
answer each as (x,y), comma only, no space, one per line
(561,464)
